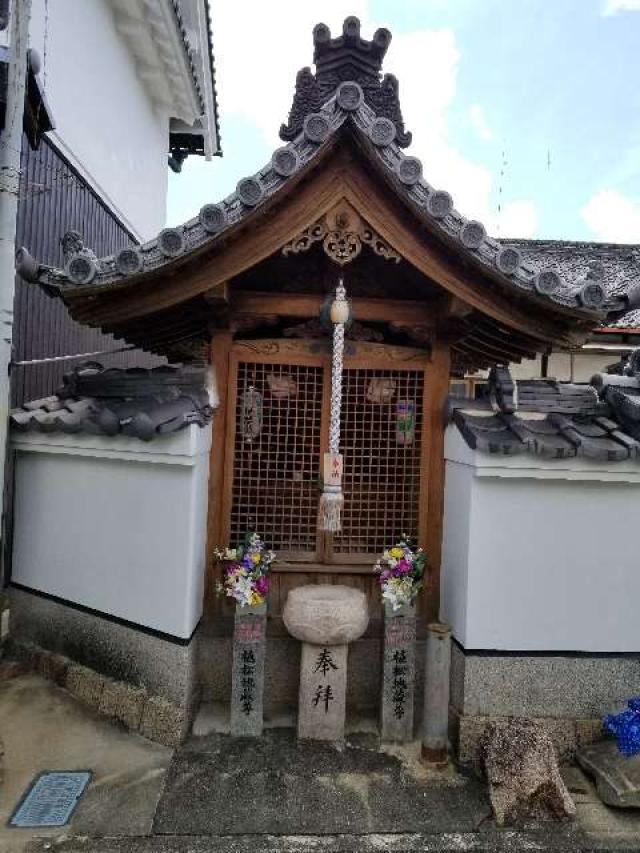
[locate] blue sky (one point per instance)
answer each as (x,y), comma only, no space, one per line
(527,111)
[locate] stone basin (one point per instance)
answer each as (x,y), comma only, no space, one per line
(326,615)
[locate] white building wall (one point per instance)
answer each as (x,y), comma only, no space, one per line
(114,524)
(106,124)
(538,554)
(566,367)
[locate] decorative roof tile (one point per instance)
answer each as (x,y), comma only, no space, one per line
(615,266)
(134,402)
(559,420)
(316,120)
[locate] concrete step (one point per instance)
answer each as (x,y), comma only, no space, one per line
(553,840)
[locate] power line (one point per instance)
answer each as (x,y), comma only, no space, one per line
(69,357)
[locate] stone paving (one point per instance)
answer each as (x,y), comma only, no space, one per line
(43,728)
(247,795)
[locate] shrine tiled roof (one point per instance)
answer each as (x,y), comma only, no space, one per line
(325,105)
(559,420)
(133,402)
(617,265)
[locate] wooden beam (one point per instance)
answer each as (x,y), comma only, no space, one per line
(221,342)
(471,357)
(458,308)
(436,393)
(494,352)
(512,343)
(218,294)
(498,332)
(409,312)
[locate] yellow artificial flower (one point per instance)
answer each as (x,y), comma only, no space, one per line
(397,553)
(256,599)
(255,559)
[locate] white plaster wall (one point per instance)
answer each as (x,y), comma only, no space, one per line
(538,555)
(106,123)
(115,525)
(455,546)
(567,368)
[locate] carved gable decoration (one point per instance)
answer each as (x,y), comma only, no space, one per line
(343,233)
(346,58)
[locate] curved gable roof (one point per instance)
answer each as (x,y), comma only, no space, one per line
(435,208)
(108,290)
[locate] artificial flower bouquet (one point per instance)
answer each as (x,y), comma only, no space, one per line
(401,569)
(625,727)
(246,573)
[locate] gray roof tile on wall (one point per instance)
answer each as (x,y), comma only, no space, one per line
(134,402)
(619,264)
(598,421)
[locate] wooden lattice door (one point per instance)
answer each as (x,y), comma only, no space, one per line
(381,443)
(278,431)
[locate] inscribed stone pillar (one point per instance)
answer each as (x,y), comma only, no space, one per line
(323,688)
(325,618)
(247,682)
(398,674)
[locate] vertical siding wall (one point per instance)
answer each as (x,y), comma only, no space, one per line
(53,200)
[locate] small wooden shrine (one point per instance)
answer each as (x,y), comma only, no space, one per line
(247,280)
(247,286)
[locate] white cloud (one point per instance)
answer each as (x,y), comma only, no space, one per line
(424,109)
(517,218)
(612,217)
(259,47)
(479,122)
(613,7)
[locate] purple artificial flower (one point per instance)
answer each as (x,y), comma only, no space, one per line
(262,585)
(403,567)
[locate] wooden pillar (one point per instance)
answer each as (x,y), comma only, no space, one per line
(437,392)
(220,355)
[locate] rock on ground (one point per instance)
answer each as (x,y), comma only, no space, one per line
(523,775)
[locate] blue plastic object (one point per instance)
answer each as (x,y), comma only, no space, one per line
(51,799)
(625,727)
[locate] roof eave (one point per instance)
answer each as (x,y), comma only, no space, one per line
(160,49)
(432,213)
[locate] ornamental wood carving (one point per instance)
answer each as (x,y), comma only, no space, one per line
(343,233)
(289,348)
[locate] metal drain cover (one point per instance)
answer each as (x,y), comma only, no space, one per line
(51,799)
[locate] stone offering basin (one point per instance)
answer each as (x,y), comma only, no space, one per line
(326,615)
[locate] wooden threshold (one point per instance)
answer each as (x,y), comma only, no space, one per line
(325,568)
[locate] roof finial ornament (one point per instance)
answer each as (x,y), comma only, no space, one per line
(80,262)
(347,57)
(593,292)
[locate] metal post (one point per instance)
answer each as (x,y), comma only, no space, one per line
(435,721)
(10,148)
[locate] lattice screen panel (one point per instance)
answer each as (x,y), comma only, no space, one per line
(277,455)
(380,442)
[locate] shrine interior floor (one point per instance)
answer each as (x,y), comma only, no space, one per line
(271,795)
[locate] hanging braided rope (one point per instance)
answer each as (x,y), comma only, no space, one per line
(332,499)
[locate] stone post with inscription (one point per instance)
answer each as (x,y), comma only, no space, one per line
(398,674)
(247,681)
(323,690)
(325,618)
